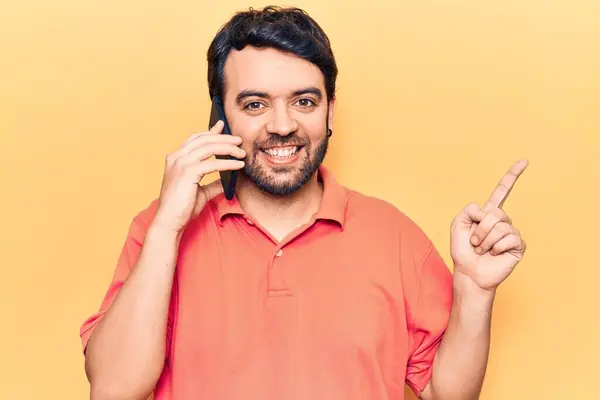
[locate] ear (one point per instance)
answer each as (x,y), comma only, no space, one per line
(331,112)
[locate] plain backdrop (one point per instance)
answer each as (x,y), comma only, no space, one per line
(436,99)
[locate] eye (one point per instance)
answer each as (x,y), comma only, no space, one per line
(305,103)
(255,105)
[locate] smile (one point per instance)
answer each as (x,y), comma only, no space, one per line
(282,152)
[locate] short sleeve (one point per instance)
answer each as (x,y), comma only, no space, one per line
(432,311)
(126,262)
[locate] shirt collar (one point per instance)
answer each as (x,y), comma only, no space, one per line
(333,203)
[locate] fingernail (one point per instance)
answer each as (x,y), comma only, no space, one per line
(474,240)
(479,250)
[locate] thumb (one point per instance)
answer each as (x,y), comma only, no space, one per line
(205,194)
(212,190)
(471,214)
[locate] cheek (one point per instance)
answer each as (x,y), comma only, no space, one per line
(244,125)
(313,124)
(247,128)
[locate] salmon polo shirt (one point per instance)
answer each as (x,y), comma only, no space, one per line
(350,306)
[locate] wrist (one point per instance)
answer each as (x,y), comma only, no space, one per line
(467,290)
(159,233)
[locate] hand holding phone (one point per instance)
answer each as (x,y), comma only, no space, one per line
(228,177)
(181,195)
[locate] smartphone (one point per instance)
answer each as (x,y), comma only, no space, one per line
(228,178)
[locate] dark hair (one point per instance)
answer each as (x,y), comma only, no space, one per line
(290,30)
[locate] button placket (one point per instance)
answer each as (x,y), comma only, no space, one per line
(279,275)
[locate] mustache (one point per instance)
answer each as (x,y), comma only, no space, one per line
(278,140)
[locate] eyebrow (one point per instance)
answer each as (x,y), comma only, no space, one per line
(309,90)
(257,93)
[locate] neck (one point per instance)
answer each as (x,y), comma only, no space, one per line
(280,214)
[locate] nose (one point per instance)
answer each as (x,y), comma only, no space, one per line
(282,122)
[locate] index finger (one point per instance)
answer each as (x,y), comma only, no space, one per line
(505,185)
(212,135)
(213,130)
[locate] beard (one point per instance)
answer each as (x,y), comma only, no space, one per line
(285,180)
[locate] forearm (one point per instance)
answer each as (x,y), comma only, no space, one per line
(461,360)
(125,354)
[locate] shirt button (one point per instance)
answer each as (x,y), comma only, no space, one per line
(279,253)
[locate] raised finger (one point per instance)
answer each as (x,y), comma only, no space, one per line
(501,192)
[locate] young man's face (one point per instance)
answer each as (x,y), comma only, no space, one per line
(277,103)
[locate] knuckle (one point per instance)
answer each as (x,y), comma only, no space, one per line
(497,219)
(505,228)
(203,138)
(487,224)
(481,235)
(503,185)
(504,216)
(170,158)
(454,224)
(498,214)
(179,165)
(190,138)
(203,169)
(472,207)
(516,238)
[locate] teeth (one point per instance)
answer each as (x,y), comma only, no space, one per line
(282,152)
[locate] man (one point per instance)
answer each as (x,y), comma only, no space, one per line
(298,288)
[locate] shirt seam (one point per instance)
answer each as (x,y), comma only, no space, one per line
(417,313)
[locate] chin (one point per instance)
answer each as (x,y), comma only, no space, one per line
(286,185)
(278,180)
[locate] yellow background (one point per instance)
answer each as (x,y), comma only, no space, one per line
(436,99)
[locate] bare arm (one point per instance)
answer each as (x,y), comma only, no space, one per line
(461,360)
(485,248)
(125,353)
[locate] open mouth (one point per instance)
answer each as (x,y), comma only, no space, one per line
(282,153)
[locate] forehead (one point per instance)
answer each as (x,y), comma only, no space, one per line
(269,70)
